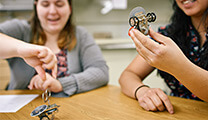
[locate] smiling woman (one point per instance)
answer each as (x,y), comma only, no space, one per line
(81,66)
(53,16)
(180,54)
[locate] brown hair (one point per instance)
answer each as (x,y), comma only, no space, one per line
(67,38)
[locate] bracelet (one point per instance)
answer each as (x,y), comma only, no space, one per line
(138,89)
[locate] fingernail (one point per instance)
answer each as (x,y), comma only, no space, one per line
(29,87)
(131,33)
(171,112)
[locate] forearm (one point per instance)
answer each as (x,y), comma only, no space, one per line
(69,84)
(194,78)
(84,81)
(9,46)
(92,78)
(129,82)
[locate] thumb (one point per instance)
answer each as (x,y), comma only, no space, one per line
(54,71)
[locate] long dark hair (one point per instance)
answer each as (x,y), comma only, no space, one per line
(177,31)
(67,39)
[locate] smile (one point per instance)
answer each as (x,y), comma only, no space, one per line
(187,1)
(54,19)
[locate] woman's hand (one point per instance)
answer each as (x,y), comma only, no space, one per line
(53,84)
(154,99)
(163,54)
(40,58)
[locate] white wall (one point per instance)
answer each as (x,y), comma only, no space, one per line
(87,13)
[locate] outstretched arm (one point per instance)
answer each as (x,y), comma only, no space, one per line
(39,57)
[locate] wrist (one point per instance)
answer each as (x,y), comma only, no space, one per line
(20,48)
(137,89)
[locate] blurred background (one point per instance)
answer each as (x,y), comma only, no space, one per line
(107,21)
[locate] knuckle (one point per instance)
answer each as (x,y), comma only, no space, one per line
(141,49)
(150,91)
(165,98)
(140,100)
(158,90)
(160,106)
(144,41)
(159,52)
(152,61)
(153,108)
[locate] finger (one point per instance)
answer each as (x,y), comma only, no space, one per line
(50,65)
(144,52)
(46,84)
(146,41)
(47,59)
(144,106)
(166,102)
(39,84)
(43,52)
(31,85)
(54,71)
(35,84)
(41,72)
(150,104)
(135,40)
(157,102)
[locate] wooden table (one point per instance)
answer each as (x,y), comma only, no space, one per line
(108,103)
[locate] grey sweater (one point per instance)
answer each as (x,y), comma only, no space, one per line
(86,65)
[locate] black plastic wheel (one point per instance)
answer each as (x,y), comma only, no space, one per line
(44,117)
(151,17)
(133,21)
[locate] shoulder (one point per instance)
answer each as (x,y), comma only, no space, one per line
(15,27)
(81,30)
(15,23)
(82,34)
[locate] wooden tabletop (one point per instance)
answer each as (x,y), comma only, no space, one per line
(108,103)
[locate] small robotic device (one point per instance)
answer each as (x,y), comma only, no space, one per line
(44,111)
(140,21)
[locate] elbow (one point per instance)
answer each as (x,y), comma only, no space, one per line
(105,75)
(105,79)
(121,82)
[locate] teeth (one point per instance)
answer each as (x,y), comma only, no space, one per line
(188,1)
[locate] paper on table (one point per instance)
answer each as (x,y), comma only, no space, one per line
(12,103)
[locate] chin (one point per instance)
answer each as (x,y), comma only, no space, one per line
(55,30)
(191,13)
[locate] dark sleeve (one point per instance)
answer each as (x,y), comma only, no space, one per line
(19,29)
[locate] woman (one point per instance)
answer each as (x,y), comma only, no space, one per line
(81,66)
(180,54)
